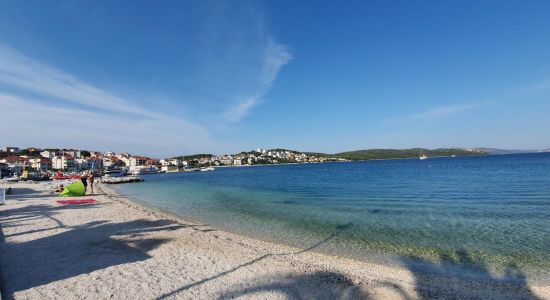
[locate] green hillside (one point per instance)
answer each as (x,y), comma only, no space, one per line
(404,153)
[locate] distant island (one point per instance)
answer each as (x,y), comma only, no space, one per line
(495,151)
(405,153)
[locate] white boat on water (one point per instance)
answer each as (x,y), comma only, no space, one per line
(207,169)
(115,173)
(141,170)
(422,155)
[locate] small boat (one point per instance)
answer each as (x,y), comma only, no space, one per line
(422,155)
(63,176)
(207,169)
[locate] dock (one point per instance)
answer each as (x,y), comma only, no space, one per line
(119,180)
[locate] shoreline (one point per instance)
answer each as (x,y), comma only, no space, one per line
(121,248)
(388,255)
(362,160)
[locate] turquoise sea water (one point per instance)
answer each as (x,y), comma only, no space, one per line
(490,211)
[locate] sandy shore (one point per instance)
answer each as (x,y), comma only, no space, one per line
(121,250)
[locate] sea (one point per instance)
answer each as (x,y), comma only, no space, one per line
(481,213)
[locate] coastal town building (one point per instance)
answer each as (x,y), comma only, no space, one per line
(95,163)
(71,152)
(137,161)
(41,163)
(48,154)
(4,170)
(81,164)
(95,154)
(15,160)
(15,163)
(11,149)
(107,161)
(64,163)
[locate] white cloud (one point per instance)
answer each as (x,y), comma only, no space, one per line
(115,122)
(241,109)
(437,113)
(32,123)
(21,72)
(274,57)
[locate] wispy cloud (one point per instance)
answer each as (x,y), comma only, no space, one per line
(114,122)
(437,113)
(24,73)
(274,57)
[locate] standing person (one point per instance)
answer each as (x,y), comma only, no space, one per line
(91,179)
(84,180)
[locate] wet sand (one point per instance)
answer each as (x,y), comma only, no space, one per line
(119,249)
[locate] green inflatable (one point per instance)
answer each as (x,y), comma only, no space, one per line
(74,189)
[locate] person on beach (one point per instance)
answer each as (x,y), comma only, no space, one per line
(84,180)
(91,179)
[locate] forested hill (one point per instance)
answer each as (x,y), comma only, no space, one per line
(404,153)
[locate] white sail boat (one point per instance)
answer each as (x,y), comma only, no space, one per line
(422,155)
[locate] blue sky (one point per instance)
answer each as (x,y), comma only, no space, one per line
(182,77)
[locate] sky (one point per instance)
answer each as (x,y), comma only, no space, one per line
(182,77)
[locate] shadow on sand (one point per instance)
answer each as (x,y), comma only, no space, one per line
(458,276)
(76,250)
(22,194)
(317,285)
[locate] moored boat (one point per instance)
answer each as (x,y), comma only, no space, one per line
(422,155)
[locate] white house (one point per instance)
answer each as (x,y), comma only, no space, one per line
(47,154)
(63,163)
(41,163)
(11,149)
(137,161)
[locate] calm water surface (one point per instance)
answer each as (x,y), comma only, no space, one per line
(493,210)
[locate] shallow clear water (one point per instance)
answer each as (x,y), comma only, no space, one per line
(496,209)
